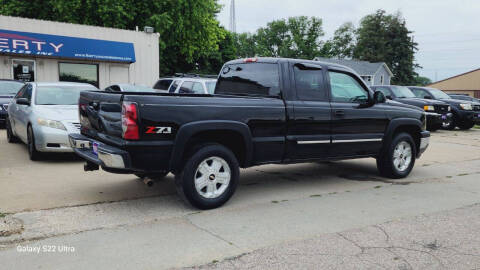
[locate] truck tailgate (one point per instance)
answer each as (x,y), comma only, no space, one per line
(100,114)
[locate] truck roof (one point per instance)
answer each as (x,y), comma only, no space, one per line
(275,60)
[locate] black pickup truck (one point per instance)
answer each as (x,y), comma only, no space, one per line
(265,110)
(438,112)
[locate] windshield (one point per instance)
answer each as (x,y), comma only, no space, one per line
(211,86)
(60,95)
(10,88)
(402,92)
(136,88)
(438,94)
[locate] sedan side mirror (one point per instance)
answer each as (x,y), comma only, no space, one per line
(23,101)
(427,97)
(379,97)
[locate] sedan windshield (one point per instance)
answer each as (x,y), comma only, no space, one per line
(438,94)
(10,88)
(137,88)
(402,92)
(59,95)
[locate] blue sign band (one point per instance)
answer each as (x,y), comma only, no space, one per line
(34,44)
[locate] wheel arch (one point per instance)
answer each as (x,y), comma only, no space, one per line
(407,125)
(234,135)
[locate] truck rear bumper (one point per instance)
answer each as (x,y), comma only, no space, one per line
(110,158)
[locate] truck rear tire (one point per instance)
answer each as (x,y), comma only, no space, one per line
(209,177)
(397,159)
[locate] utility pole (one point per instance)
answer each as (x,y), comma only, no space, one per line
(233,20)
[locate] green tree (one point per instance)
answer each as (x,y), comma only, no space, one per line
(385,38)
(343,42)
(422,81)
(188,29)
(297,37)
(245,45)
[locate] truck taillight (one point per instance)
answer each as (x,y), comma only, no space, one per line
(130,121)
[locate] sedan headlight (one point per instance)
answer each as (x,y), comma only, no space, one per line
(466,106)
(428,108)
(51,123)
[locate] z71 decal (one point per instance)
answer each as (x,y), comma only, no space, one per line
(159,130)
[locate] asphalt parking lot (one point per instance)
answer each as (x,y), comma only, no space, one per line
(118,222)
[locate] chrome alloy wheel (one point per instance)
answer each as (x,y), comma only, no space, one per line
(212,177)
(402,156)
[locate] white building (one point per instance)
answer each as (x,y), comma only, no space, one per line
(37,50)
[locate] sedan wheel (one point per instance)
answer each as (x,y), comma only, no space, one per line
(32,150)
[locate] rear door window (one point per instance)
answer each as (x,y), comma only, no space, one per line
(197,88)
(309,83)
(162,84)
(257,79)
(186,88)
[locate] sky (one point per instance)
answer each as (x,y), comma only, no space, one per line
(447,31)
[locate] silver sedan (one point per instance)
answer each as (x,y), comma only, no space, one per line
(43,114)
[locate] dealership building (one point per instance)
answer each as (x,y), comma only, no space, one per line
(37,50)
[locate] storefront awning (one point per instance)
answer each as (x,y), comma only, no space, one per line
(34,44)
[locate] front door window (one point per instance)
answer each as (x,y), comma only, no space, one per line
(23,70)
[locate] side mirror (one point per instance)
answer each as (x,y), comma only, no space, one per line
(379,97)
(23,101)
(389,97)
(427,97)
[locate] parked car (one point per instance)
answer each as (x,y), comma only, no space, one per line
(265,110)
(42,115)
(464,113)
(464,97)
(163,84)
(193,85)
(8,89)
(438,112)
(126,87)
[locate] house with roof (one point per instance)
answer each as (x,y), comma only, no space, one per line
(465,83)
(371,73)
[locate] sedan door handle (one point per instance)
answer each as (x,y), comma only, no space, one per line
(339,112)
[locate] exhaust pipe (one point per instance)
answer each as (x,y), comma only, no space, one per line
(148,181)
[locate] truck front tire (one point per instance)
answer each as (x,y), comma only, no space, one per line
(397,159)
(209,177)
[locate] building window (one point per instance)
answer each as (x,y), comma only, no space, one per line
(84,73)
(381,80)
(23,70)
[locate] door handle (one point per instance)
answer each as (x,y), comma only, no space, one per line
(339,113)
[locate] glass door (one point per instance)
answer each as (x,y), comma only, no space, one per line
(23,70)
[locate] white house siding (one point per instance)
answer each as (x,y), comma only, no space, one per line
(378,75)
(145,70)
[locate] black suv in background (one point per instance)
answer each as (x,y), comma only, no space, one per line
(438,112)
(465,114)
(464,97)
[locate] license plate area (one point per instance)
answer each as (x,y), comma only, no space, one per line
(95,148)
(444,117)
